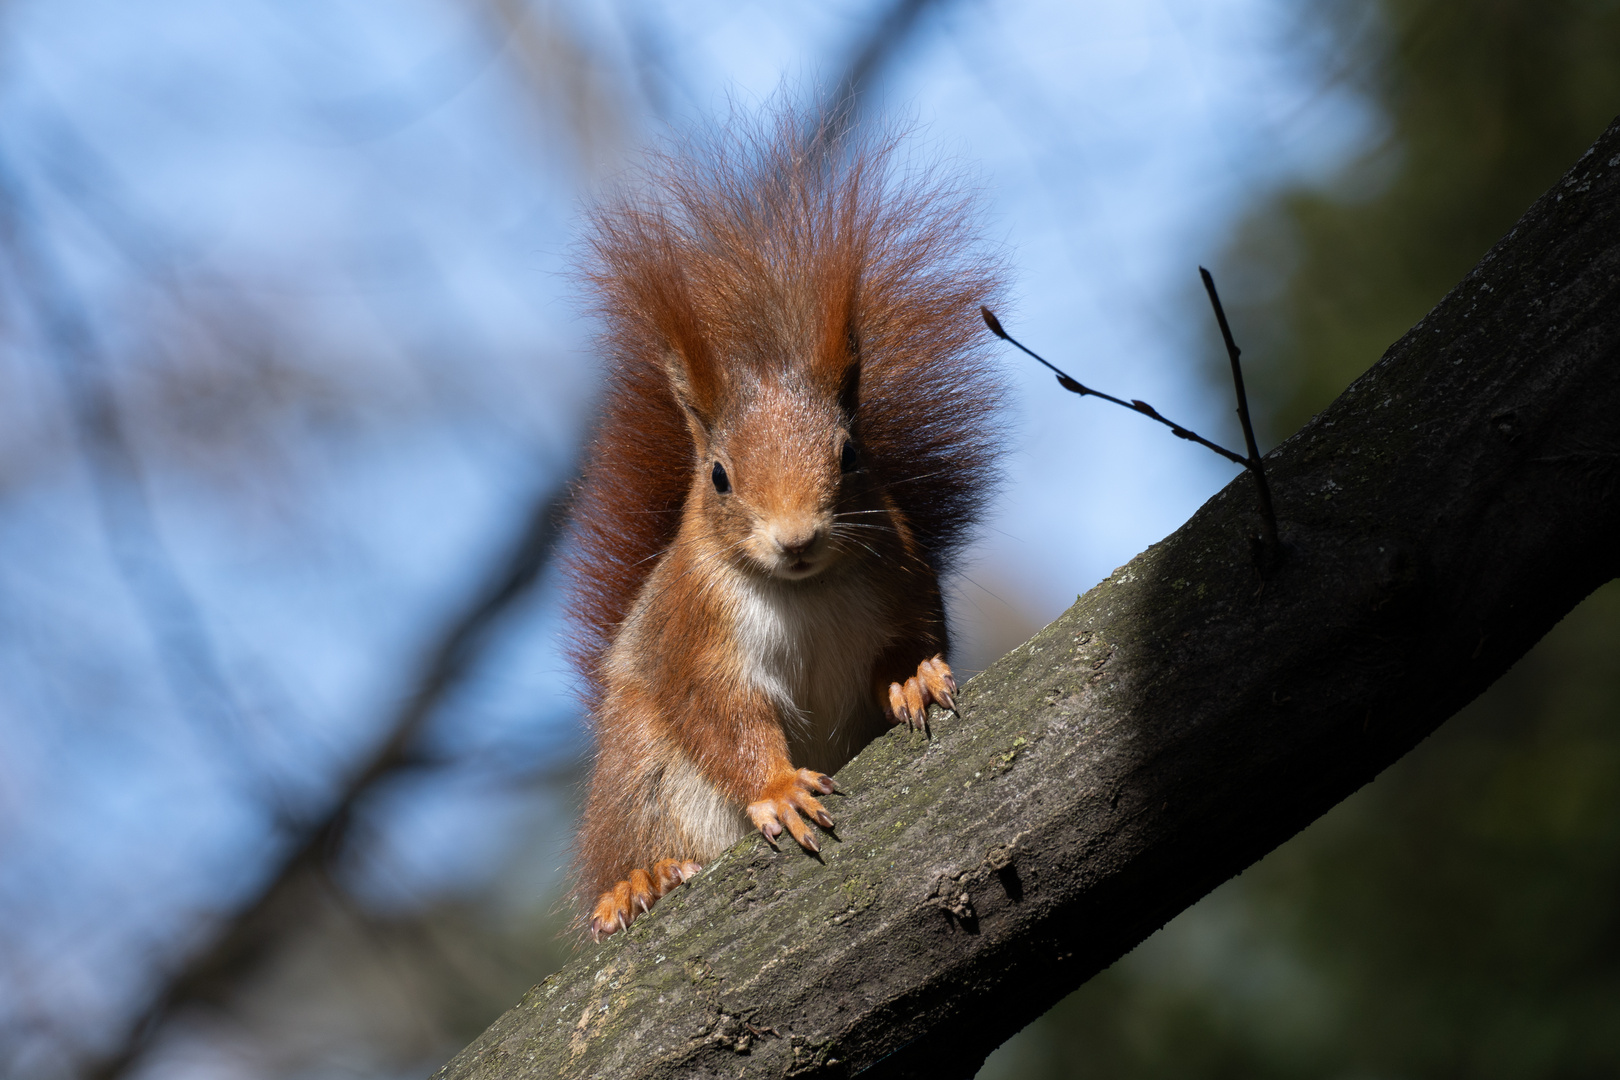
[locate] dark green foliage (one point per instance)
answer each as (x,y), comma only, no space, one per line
(1460,917)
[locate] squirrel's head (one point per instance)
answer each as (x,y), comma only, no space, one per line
(778,481)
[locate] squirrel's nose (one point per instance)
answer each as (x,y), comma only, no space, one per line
(797,542)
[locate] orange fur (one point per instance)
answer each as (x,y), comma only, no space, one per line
(735,569)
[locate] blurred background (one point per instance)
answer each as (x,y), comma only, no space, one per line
(292,374)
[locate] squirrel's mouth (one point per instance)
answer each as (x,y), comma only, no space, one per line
(799,569)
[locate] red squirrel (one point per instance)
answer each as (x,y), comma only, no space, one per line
(798,433)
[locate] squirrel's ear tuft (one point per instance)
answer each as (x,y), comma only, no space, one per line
(838,364)
(688,360)
(696,386)
(641,270)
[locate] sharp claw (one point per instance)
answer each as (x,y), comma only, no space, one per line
(808,842)
(824,819)
(947,698)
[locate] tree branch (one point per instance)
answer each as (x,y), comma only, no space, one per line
(1169,729)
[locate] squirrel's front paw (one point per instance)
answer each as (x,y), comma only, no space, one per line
(784,799)
(908,702)
(618,907)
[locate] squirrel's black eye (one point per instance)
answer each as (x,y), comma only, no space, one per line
(722,482)
(849,460)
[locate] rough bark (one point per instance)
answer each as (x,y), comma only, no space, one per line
(1179,721)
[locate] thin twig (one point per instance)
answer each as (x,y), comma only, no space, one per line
(1252,463)
(1268,518)
(1074,386)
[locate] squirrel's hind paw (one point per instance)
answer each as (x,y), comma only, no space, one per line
(933,684)
(618,907)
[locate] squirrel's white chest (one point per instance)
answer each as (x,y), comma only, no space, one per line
(811,650)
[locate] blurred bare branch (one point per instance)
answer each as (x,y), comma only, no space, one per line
(190,661)
(243,941)
(649,57)
(888,36)
(564,77)
(220,372)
